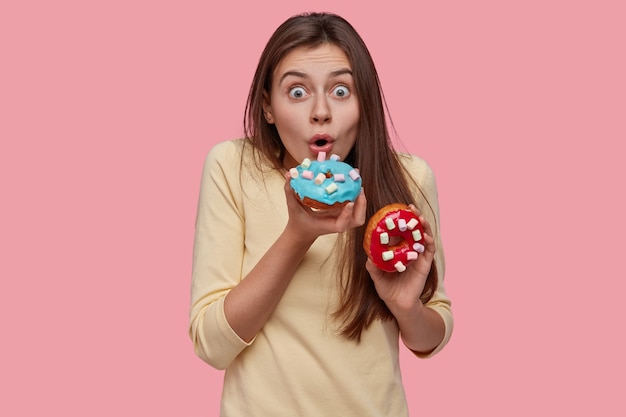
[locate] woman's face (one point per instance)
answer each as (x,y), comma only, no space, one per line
(313,103)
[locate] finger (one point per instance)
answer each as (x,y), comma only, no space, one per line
(291,195)
(429,245)
(426,258)
(427,229)
(287,184)
(345,216)
(373,270)
(415,210)
(360,209)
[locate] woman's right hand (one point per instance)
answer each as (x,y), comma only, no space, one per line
(309,224)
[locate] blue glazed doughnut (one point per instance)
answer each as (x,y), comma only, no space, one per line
(325,183)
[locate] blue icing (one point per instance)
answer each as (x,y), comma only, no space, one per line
(348,190)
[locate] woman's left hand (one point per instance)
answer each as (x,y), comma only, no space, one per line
(401,290)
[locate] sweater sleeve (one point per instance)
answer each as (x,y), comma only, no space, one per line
(428,204)
(217,257)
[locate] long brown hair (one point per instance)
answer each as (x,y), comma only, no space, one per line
(359,304)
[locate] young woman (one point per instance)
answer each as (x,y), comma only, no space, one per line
(283,297)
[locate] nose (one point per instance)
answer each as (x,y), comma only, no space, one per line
(321,110)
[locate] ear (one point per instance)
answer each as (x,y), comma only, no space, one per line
(267,108)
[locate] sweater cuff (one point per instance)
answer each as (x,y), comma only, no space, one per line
(229,334)
(218,344)
(446,315)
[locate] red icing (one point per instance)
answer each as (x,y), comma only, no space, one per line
(401,242)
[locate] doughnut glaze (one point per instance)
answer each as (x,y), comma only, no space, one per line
(325,183)
(394,236)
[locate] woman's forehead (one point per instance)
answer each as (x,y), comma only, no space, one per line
(305,60)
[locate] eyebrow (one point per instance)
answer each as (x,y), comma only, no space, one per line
(306,76)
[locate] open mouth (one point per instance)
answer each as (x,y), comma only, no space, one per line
(321,143)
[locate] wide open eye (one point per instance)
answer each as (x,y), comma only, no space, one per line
(297,92)
(341,91)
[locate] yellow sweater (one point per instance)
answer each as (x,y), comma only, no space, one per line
(298,364)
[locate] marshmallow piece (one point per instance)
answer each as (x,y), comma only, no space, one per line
(390,224)
(306,162)
(354,175)
(335,157)
(321,156)
(339,178)
(293,172)
(384,238)
(387,255)
(307,174)
(399,266)
(411,256)
(419,247)
(417,235)
(402,225)
(320,178)
(412,223)
(332,187)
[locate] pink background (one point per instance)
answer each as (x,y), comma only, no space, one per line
(107,110)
